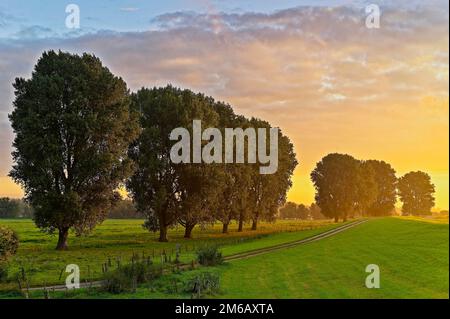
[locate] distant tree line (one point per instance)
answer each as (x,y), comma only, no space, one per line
(300,211)
(80,135)
(347,187)
(124,209)
(15,208)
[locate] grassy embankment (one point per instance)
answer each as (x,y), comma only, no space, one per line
(413,256)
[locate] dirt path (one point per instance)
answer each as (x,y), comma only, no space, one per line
(317,237)
(238,256)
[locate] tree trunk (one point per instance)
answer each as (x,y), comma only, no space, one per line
(163,233)
(225,228)
(241,224)
(345,218)
(336,219)
(255,224)
(63,233)
(188,230)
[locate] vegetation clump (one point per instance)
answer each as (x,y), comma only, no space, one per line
(209,256)
(204,284)
(9,242)
(126,278)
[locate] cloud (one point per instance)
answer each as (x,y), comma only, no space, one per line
(318,73)
(129,9)
(33,32)
(6,19)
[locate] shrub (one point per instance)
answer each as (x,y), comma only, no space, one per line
(9,242)
(209,256)
(204,284)
(127,277)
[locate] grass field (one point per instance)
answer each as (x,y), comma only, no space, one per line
(121,238)
(413,256)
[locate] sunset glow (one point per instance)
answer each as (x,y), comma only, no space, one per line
(317,72)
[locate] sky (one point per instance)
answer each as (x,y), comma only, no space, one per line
(312,68)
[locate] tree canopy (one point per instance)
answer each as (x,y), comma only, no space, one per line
(73,124)
(190,192)
(347,187)
(416,192)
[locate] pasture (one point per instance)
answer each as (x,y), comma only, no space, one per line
(413,256)
(120,239)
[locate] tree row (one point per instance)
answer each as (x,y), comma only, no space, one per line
(80,135)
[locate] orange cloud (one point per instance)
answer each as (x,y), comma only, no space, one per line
(330,83)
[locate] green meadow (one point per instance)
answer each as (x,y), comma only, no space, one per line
(120,239)
(412,254)
(413,257)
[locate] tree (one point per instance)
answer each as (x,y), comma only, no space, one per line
(336,180)
(14,208)
(268,191)
(293,211)
(201,184)
(9,208)
(165,192)
(201,187)
(154,184)
(367,188)
(124,209)
(234,195)
(73,125)
(289,210)
(416,192)
(386,181)
(315,212)
(302,212)
(236,178)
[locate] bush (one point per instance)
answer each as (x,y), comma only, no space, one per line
(9,242)
(209,256)
(126,278)
(202,285)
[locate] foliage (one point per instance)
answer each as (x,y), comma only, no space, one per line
(157,187)
(14,208)
(127,277)
(268,192)
(367,188)
(289,210)
(346,187)
(73,125)
(386,182)
(9,243)
(336,179)
(209,255)
(416,192)
(124,209)
(315,212)
(199,193)
(293,211)
(204,284)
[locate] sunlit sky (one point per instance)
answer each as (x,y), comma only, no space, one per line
(310,67)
